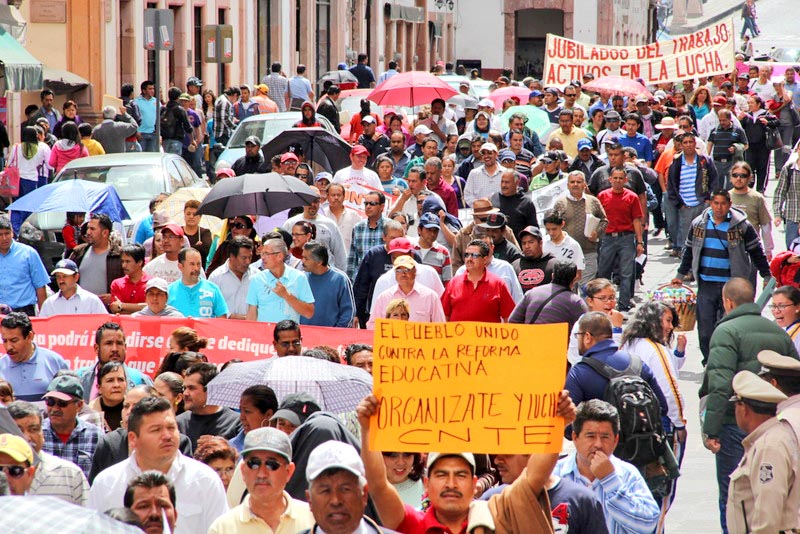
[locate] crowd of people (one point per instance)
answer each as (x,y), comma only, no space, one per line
(689,159)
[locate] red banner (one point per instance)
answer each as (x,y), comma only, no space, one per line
(147,338)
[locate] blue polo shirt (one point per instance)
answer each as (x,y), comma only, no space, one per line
(271,307)
(31,378)
(203,300)
(21,272)
(643,146)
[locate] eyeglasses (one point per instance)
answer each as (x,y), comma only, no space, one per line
(254,464)
(780,307)
(611,298)
(301,175)
(287,344)
(372,203)
(14,471)
(570,94)
(473,255)
(57,402)
(739,175)
(224,470)
(576,335)
(403,270)
(238,226)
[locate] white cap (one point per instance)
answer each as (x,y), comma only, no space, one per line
(422,130)
(486,103)
(334,455)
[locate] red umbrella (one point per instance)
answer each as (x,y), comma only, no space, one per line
(617,85)
(498,96)
(413,88)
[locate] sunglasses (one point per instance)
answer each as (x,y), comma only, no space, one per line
(57,402)
(739,175)
(238,226)
(14,471)
(402,270)
(372,203)
(473,255)
(254,464)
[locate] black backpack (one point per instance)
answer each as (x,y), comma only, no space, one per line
(641,433)
(169,122)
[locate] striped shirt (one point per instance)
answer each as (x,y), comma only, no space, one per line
(278,85)
(59,478)
(715,263)
(723,139)
(437,257)
(687,185)
(786,202)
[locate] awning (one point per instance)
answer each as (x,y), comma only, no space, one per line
(63,81)
(406,13)
(22,71)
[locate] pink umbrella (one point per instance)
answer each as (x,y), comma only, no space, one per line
(413,88)
(617,85)
(498,96)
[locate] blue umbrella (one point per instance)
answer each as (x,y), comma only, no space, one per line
(69,195)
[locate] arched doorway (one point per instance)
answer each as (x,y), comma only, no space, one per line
(531,29)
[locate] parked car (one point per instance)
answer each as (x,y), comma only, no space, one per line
(265,127)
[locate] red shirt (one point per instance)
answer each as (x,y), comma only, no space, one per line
(621,209)
(127,292)
(488,302)
(448,195)
(417,522)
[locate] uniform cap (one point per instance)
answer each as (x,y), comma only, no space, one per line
(749,386)
(778,364)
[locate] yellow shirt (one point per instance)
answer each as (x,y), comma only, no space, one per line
(240,520)
(570,141)
(94,147)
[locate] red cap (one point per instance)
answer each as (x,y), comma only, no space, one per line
(174,228)
(720,100)
(227,171)
(289,155)
(400,244)
(359,150)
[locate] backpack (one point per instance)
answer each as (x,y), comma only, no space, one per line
(168,123)
(641,434)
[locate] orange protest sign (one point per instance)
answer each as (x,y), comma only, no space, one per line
(477,387)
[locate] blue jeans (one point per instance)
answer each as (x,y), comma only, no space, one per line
(730,453)
(791,228)
(173,146)
(671,219)
(709,311)
(749,24)
(620,248)
(149,142)
(133,146)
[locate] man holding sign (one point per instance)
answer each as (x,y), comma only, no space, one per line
(451,483)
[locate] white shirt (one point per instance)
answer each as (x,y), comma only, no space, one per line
(200,495)
(481,184)
(82,302)
(665,367)
(504,270)
(345,222)
(361,181)
(426,276)
(447,126)
(711,121)
(30,169)
(568,249)
(328,234)
(161,267)
(234,290)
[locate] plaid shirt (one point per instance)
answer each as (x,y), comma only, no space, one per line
(786,203)
(80,446)
(437,257)
(364,238)
(278,85)
(223,117)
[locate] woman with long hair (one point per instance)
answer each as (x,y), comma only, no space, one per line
(648,336)
(755,123)
(785,309)
(68,148)
(701,103)
(450,177)
(32,158)
(170,386)
(257,405)
(111,387)
(302,233)
(404,471)
(184,339)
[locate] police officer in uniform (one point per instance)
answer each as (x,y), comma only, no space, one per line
(764,494)
(783,372)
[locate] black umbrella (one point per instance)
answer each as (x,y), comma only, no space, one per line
(256,194)
(338,76)
(324,148)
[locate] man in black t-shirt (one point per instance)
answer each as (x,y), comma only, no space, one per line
(534,268)
(363,73)
(200,418)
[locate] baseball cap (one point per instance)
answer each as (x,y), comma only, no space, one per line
(157,283)
(194,80)
(296,407)
(405,261)
(429,220)
(65,267)
(252,140)
(642,99)
(289,156)
(725,84)
(535,93)
(531,231)
(400,244)
(324,176)
(490,147)
(270,440)
(16,447)
(494,220)
(334,455)
(550,156)
(422,130)
(486,103)
(719,100)
(185,96)
(226,171)
(584,143)
(262,88)
(369,119)
(65,387)
(434,456)
(160,218)
(507,155)
(613,115)
(660,95)
(551,90)
(174,228)
(359,150)
(743,76)
(610,139)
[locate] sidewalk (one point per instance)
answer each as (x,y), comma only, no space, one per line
(713,11)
